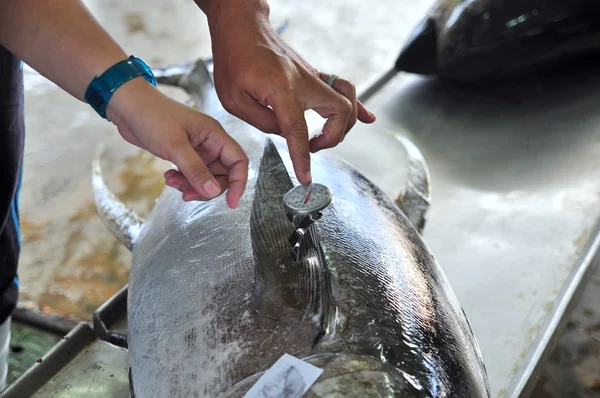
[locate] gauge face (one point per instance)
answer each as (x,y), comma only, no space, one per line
(307,199)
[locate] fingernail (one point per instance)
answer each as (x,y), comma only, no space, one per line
(211,188)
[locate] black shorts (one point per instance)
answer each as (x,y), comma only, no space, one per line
(12,138)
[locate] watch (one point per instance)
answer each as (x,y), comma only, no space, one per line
(303,205)
(101,89)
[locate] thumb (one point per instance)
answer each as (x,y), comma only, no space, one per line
(195,171)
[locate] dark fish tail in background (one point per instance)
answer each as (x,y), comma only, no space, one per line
(419,55)
(488,40)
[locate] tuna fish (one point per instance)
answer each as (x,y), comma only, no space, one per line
(490,40)
(216,298)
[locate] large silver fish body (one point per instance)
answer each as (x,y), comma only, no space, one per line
(216,298)
(493,40)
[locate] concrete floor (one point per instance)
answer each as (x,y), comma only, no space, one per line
(574,368)
(70,264)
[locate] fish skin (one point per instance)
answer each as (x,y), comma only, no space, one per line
(391,301)
(487,41)
(375,312)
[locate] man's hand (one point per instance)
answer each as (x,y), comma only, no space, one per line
(208,159)
(264,82)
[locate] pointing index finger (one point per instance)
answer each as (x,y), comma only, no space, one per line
(290,117)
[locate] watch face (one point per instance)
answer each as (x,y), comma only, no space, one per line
(307,199)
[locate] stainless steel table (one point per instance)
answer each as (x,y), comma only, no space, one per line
(515,202)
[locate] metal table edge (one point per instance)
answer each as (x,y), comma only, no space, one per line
(45,368)
(541,348)
(105,317)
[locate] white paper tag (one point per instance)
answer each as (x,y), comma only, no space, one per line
(289,377)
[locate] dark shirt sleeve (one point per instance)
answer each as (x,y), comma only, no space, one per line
(12,131)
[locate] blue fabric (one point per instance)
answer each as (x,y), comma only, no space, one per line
(14,208)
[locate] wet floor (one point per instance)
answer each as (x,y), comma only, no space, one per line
(574,367)
(70,264)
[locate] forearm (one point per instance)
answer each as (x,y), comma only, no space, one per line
(60,39)
(217,10)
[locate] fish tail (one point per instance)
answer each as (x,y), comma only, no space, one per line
(122,222)
(416,198)
(419,55)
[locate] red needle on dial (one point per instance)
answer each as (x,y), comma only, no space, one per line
(307,196)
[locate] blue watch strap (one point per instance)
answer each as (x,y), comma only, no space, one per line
(101,89)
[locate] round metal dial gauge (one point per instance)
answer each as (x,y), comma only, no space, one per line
(307,199)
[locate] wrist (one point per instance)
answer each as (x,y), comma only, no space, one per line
(226,11)
(129,99)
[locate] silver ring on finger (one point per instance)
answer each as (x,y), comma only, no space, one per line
(332,78)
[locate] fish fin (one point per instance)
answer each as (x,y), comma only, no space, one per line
(199,75)
(122,222)
(419,54)
(193,77)
(199,84)
(284,288)
(415,200)
(172,75)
